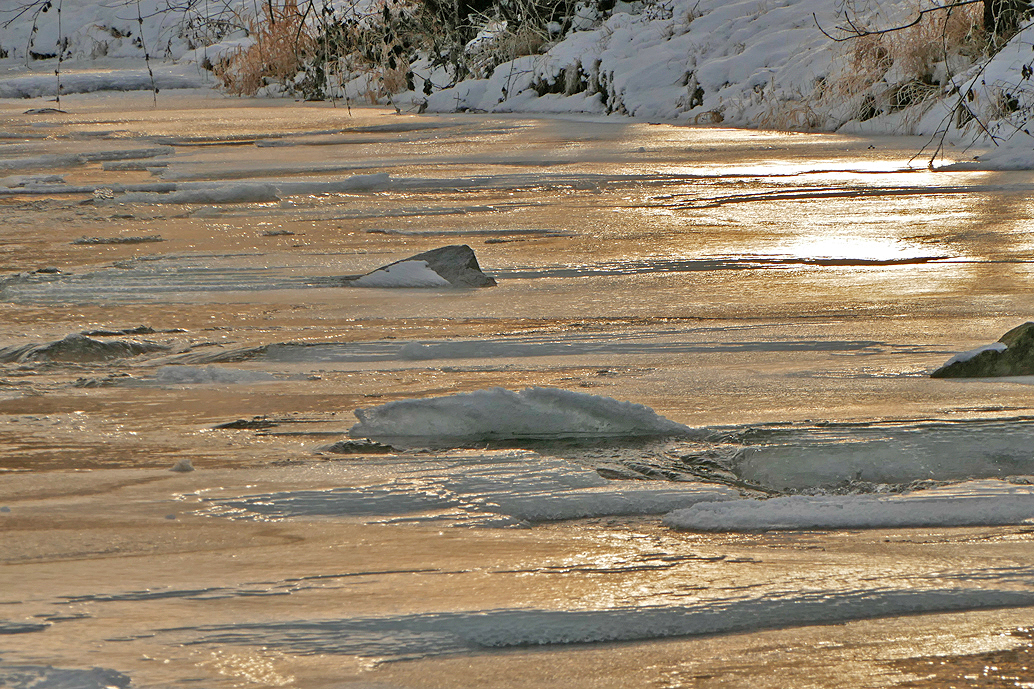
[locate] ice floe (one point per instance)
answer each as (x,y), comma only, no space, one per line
(193,375)
(975,503)
(500,414)
(49,677)
(501,488)
(444,633)
(851,457)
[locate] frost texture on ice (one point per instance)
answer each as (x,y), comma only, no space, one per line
(983,503)
(404,274)
(500,414)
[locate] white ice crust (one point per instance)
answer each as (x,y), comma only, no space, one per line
(498,413)
(404,274)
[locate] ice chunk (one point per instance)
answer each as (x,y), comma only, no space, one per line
(499,414)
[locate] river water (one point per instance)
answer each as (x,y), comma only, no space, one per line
(782,298)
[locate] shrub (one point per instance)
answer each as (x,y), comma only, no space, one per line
(282,46)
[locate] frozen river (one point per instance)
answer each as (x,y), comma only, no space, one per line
(803,506)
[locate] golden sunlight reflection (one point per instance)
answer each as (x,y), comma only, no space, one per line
(876,249)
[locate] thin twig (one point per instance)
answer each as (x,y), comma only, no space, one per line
(852,31)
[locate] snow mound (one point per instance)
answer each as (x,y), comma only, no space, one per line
(976,503)
(192,375)
(499,414)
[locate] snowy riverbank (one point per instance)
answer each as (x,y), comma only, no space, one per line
(699,62)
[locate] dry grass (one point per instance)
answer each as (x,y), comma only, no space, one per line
(908,60)
(282,44)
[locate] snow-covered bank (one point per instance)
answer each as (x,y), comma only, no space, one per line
(702,62)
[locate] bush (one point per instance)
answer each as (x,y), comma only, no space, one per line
(282,45)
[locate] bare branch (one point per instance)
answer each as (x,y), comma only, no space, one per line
(851,31)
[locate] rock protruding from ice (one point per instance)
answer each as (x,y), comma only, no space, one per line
(183,466)
(1012,355)
(79,349)
(499,414)
(362,446)
(447,266)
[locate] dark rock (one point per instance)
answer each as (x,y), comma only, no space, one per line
(257,423)
(456,264)
(138,330)
(358,447)
(118,240)
(1016,360)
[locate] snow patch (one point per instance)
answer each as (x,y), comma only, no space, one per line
(966,356)
(404,274)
